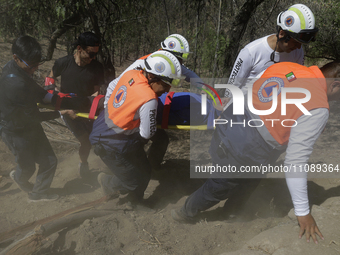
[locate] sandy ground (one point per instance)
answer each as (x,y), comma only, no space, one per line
(263,224)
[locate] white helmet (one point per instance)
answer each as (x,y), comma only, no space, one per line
(177,44)
(298,22)
(164,65)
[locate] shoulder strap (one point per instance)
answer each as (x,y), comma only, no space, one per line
(94,106)
(166,109)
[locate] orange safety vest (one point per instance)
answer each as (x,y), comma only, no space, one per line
(131,92)
(286,75)
(144,57)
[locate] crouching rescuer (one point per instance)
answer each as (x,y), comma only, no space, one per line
(129,120)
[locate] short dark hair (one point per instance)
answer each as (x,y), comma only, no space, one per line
(331,70)
(27,48)
(88,39)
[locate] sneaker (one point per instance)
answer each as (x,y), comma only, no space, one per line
(27,187)
(107,191)
(36,197)
(129,206)
(84,169)
(179,216)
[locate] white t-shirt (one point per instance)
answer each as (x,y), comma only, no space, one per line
(254,58)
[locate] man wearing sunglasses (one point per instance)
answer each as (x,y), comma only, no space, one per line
(20,119)
(82,75)
(295,26)
(177,45)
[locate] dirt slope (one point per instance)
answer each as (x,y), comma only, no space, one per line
(261,226)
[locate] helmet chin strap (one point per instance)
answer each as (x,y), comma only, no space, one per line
(272,55)
(286,39)
(148,78)
(152,80)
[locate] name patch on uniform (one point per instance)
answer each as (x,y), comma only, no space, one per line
(153,126)
(120,97)
(131,82)
(265,92)
(291,77)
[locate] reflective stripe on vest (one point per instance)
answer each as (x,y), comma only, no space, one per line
(286,75)
(131,92)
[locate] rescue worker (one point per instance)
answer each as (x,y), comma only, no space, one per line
(175,44)
(245,145)
(179,46)
(295,26)
(20,119)
(81,74)
(129,121)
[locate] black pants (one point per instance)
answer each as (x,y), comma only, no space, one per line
(132,171)
(218,188)
(215,190)
(31,147)
(157,150)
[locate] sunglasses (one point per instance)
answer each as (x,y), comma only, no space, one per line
(181,55)
(92,54)
(31,66)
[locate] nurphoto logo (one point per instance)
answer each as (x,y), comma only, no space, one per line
(268,92)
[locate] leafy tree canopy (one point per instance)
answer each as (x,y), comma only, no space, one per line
(216,29)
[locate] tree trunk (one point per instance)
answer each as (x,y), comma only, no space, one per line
(167,17)
(235,34)
(217,38)
(9,235)
(104,55)
(33,241)
(62,29)
(200,6)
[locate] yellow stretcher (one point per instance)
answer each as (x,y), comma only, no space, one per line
(179,127)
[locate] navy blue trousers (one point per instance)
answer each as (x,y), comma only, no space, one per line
(132,171)
(32,147)
(157,150)
(220,186)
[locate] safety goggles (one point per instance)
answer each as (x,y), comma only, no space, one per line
(181,55)
(31,66)
(169,81)
(304,36)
